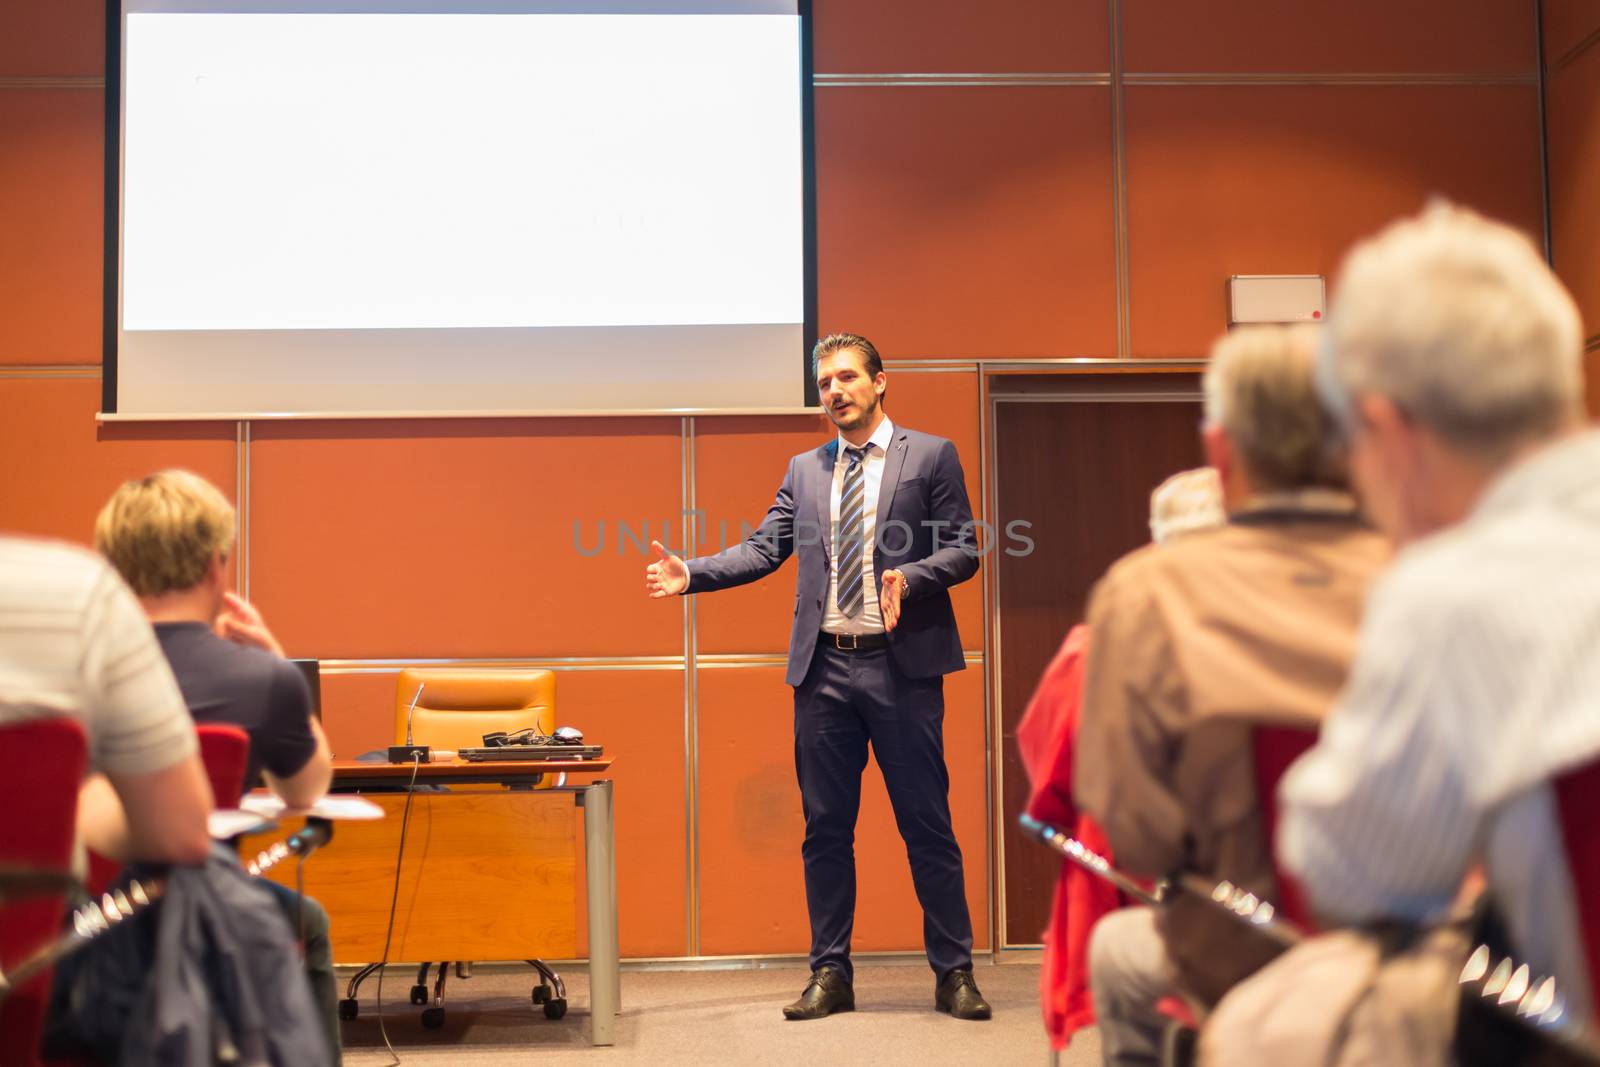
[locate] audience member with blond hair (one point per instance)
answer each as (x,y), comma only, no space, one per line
(170,536)
(1197,642)
(1454,360)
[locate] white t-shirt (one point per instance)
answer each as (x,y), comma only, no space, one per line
(74,642)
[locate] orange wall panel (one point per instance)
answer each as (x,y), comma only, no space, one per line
(1567,23)
(1573,109)
(463,538)
(1252,180)
(59,468)
(739,463)
(52,37)
(1493,36)
(967,221)
(50,214)
(638,717)
(908,36)
(752,888)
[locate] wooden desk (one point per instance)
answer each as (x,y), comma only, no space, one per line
(487,874)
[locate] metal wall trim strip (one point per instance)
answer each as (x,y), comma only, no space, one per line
(879,81)
(993,642)
(691,706)
(1544,134)
(50,371)
(1166,397)
(1119,181)
(1592,343)
(721,660)
(1375,78)
(53,81)
(241,444)
(932,366)
(554,663)
(993,852)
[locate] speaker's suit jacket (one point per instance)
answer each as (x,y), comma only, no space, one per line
(924,530)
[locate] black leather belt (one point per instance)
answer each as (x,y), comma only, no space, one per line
(854,642)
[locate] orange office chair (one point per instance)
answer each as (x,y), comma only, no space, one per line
(455,708)
(45,762)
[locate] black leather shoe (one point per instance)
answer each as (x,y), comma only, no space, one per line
(958,994)
(826,993)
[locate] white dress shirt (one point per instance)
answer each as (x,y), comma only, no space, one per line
(1477,682)
(870,621)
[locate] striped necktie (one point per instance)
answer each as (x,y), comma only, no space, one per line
(851,544)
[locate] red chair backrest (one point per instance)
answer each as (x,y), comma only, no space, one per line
(1578,801)
(225,750)
(39,799)
(1274,748)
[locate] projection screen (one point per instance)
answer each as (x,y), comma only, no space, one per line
(330,208)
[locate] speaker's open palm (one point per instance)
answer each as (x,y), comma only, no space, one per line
(667,576)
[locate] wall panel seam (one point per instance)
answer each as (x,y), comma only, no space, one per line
(1393,79)
(1592,344)
(52,81)
(691,704)
(867,81)
(1119,184)
(50,370)
(1542,106)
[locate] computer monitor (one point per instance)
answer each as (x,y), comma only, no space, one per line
(313,676)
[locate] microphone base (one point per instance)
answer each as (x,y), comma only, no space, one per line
(409,753)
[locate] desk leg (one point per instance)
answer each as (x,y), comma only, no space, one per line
(605,978)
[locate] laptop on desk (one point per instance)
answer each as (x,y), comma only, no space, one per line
(531,752)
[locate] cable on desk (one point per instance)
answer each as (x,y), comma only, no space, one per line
(394,899)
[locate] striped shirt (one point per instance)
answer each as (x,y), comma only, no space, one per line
(1476,683)
(74,642)
(870,620)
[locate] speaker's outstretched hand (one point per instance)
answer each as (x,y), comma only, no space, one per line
(894,588)
(667,576)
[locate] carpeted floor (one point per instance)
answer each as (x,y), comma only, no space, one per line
(712,1017)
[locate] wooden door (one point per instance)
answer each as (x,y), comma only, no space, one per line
(1076,456)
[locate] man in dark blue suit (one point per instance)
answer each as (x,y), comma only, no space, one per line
(880,521)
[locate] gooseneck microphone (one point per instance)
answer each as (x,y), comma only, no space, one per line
(409,753)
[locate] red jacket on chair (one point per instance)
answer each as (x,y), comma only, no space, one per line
(1045,739)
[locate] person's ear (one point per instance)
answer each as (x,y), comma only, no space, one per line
(1218,447)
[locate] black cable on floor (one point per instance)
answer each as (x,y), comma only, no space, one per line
(394,899)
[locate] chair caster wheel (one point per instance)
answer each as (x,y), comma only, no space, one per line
(419,995)
(555,1008)
(348,1008)
(541,994)
(433,1018)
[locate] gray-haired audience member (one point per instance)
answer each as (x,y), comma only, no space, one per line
(1196,642)
(1453,357)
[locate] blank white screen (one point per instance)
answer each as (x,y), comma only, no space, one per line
(444,178)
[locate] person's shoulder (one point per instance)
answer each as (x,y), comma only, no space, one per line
(37,573)
(1133,572)
(822,451)
(922,439)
